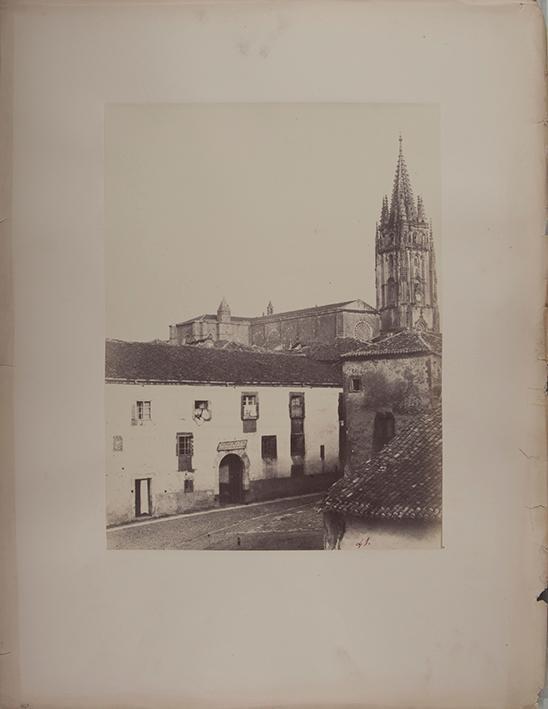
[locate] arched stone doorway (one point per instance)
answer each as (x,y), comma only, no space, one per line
(231,479)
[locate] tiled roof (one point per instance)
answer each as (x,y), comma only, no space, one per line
(332,351)
(398,343)
(402,481)
(162,362)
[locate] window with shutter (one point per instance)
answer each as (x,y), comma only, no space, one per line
(184,451)
(296,406)
(249,411)
(296,413)
(143,411)
(250,407)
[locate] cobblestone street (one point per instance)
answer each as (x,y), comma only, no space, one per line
(291,523)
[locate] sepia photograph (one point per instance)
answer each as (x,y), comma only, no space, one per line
(233,238)
(273,351)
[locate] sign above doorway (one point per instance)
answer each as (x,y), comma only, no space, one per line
(231,445)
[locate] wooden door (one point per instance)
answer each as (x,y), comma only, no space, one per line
(142,497)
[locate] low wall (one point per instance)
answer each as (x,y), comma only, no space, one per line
(172,503)
(271,488)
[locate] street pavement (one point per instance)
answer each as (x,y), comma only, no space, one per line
(290,523)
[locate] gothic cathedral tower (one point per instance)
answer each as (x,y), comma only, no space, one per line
(404,258)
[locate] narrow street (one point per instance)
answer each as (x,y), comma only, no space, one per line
(291,523)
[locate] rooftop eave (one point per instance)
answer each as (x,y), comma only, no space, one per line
(201,382)
(386,514)
(361,354)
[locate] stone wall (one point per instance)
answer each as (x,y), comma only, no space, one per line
(272,488)
(361,326)
(234,331)
(404,386)
(289,331)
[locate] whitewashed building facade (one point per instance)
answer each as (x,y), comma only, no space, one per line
(190,428)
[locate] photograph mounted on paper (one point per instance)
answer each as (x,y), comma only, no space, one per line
(273,352)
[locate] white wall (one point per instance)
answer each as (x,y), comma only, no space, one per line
(149,448)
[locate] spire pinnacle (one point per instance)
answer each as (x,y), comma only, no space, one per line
(403,203)
(420,209)
(269,308)
(223,311)
(385,211)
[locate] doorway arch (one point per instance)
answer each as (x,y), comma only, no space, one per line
(231,479)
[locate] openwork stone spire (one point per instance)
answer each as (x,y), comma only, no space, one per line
(405,272)
(402,206)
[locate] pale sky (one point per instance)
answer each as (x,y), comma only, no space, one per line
(253,202)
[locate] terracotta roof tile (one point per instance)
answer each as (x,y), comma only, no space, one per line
(162,362)
(332,351)
(399,343)
(402,481)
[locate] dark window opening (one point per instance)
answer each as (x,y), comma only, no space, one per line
(384,430)
(392,292)
(189,486)
(355,384)
(322,452)
(185,451)
(201,410)
(297,444)
(269,447)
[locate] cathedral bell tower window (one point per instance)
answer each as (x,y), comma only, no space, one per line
(391,291)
